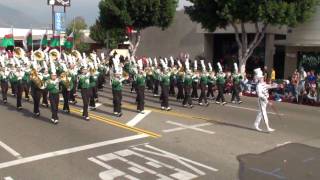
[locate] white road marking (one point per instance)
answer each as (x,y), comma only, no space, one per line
(282,144)
(182,158)
(70,151)
(133,157)
(138,118)
(136,170)
(8,178)
(10,150)
(98,105)
(251,109)
(192,127)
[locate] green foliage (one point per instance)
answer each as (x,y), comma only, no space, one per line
(108,37)
(219,13)
(83,47)
(139,14)
(76,26)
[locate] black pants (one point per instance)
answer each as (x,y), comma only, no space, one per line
(26,89)
(85,94)
(235,92)
(140,98)
(156,87)
(4,90)
(66,97)
(187,95)
(194,90)
(54,104)
(117,98)
(203,94)
(93,96)
(164,96)
(36,96)
(150,83)
(73,91)
(180,95)
(133,86)
(45,97)
(13,88)
(210,90)
(101,81)
(172,91)
(19,94)
(221,93)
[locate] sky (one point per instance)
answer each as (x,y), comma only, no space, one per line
(39,10)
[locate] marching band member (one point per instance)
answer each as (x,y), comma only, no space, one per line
(156,77)
(149,75)
(221,80)
(52,85)
(211,83)
(195,80)
(46,77)
(19,75)
(26,82)
(93,87)
(203,85)
(165,83)
(74,71)
(12,80)
(187,88)
(37,83)
(4,73)
(132,73)
(180,78)
(84,86)
(263,96)
(236,78)
(66,83)
(116,83)
(140,79)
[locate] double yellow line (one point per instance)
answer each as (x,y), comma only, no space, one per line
(185,116)
(115,123)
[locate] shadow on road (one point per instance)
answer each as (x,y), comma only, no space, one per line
(292,161)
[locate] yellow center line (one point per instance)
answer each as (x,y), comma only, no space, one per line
(170,113)
(116,123)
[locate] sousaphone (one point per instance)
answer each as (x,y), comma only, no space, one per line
(19,52)
(54,55)
(39,55)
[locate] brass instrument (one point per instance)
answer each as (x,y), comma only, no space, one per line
(64,78)
(54,55)
(36,79)
(19,52)
(39,55)
(148,71)
(125,75)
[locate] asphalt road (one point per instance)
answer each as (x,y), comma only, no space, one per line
(215,142)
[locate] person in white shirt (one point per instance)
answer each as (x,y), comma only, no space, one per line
(263,95)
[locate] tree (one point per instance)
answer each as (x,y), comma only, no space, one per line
(261,14)
(108,37)
(76,26)
(138,14)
